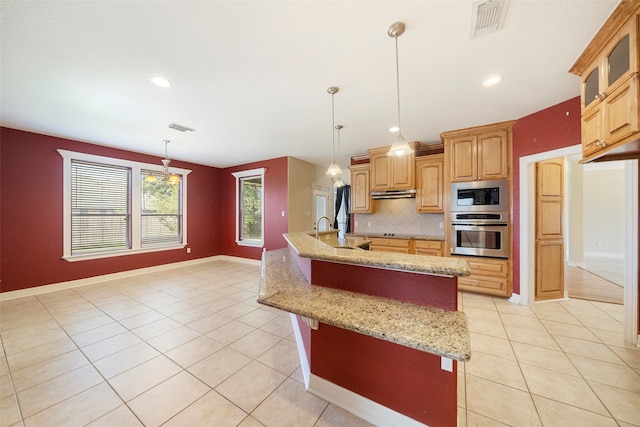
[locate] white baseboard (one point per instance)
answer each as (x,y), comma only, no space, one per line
(360,406)
(576,264)
(37,290)
(605,255)
(515,298)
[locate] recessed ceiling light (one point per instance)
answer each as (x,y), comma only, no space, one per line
(394,129)
(492,80)
(160,81)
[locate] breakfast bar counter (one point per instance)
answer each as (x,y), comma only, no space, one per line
(379,334)
(435,330)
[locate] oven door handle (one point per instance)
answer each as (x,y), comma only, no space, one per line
(482,224)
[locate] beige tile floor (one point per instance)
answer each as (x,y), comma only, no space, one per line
(191,347)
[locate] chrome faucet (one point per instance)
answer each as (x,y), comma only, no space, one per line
(318,222)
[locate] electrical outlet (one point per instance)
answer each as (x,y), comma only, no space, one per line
(446,364)
(188,250)
(441,225)
(356,223)
(368,223)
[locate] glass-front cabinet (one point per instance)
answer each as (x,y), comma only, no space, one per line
(609,91)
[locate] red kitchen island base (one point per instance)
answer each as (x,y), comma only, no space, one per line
(365,348)
(410,381)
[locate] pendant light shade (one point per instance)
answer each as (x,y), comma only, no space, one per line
(399,147)
(334,169)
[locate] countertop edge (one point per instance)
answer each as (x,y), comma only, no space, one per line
(308,247)
(440,332)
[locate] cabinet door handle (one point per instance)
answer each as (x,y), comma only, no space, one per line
(601,144)
(601,95)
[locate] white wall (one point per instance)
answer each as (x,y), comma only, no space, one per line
(574,202)
(604,209)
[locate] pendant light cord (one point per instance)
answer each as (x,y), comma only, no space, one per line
(398,86)
(333,132)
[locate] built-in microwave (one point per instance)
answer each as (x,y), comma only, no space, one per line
(480,196)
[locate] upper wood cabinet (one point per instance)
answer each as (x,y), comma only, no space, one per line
(392,172)
(430,183)
(479,154)
(360,189)
(609,88)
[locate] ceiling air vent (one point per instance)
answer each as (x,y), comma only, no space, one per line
(180,128)
(486,17)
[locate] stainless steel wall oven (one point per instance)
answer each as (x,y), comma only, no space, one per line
(478,238)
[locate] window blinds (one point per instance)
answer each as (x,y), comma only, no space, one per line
(100,207)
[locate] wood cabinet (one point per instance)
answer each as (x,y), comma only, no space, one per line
(549,255)
(430,183)
(479,154)
(488,276)
(406,246)
(609,92)
(401,246)
(360,189)
(392,172)
(428,247)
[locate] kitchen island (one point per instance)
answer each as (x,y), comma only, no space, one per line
(379,334)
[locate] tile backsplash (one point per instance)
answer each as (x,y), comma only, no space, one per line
(399,216)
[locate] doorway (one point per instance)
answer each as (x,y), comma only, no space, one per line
(596,221)
(527,234)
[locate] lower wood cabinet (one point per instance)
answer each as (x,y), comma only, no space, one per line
(488,276)
(400,246)
(428,247)
(406,246)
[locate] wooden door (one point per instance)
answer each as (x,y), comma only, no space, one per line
(549,245)
(360,193)
(402,172)
(380,172)
(464,159)
(493,156)
(430,183)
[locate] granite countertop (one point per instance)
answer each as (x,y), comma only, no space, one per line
(428,329)
(310,247)
(397,236)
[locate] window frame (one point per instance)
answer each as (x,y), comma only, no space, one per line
(136,194)
(239,177)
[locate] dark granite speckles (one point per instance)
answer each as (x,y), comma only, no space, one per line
(428,329)
(309,247)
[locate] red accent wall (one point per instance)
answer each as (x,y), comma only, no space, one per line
(545,130)
(407,380)
(31,206)
(276,197)
(416,288)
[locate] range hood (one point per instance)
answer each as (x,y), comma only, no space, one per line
(393,194)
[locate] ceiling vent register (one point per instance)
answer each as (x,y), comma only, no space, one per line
(180,128)
(487,17)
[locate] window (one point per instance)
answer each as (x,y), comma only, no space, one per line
(160,213)
(100,207)
(116,207)
(250,207)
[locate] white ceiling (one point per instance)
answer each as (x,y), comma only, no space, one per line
(252,76)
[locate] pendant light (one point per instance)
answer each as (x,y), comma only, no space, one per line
(400,147)
(166,161)
(338,182)
(169,177)
(334,169)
